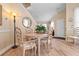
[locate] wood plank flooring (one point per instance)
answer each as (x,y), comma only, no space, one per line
(58,47)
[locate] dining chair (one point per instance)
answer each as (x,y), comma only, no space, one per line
(46,41)
(25,45)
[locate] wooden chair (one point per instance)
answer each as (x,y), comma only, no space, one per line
(26,45)
(46,41)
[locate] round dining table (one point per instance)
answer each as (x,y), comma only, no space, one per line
(39,37)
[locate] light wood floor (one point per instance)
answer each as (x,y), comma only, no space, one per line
(59,47)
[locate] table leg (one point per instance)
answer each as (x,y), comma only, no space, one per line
(38,47)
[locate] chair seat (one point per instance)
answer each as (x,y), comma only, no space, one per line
(29,45)
(44,40)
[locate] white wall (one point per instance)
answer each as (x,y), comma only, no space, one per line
(6,33)
(59,24)
(60,30)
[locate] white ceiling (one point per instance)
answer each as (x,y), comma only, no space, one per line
(43,12)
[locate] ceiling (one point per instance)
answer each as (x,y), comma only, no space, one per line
(17,8)
(43,12)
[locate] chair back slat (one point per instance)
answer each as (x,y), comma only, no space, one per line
(19,35)
(23,39)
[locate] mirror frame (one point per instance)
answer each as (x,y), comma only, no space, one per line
(27,18)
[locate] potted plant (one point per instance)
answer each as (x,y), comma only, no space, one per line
(40,29)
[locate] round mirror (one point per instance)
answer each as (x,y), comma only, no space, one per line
(26,22)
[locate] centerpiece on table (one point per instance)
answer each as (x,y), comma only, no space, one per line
(40,29)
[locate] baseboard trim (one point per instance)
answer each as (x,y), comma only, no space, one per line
(59,38)
(2,51)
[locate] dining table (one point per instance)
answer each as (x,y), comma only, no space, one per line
(39,37)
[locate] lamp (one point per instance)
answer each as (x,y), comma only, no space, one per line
(14,16)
